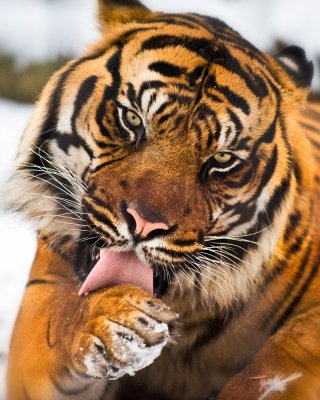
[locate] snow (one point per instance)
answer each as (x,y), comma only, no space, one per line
(53,27)
(131,350)
(17,242)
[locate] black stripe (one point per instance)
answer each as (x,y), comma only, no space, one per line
(294,282)
(235,120)
(213,97)
(152,100)
(99,216)
(180,99)
(211,329)
(106,235)
(105,164)
(66,140)
(224,58)
(244,180)
(173,19)
(267,137)
(184,243)
(131,94)
(111,91)
(310,127)
(85,92)
(164,118)
(203,174)
(211,129)
(148,85)
(204,111)
(100,115)
(268,171)
(313,114)
(314,143)
(233,98)
(40,282)
(297,172)
(293,223)
(163,107)
(127,3)
(264,218)
(196,45)
(167,69)
(295,301)
(171,253)
(54,102)
(109,153)
(277,198)
(297,244)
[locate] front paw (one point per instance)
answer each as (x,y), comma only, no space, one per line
(126,332)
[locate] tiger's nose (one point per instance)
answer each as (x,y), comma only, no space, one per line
(143,227)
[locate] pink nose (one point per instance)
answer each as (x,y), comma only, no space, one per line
(144,227)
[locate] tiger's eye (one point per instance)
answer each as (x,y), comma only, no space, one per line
(223,158)
(133,119)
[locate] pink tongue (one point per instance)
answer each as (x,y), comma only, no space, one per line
(117,268)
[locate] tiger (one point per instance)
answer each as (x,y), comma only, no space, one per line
(172,177)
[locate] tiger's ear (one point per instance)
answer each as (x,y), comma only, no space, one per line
(111,12)
(295,71)
(294,61)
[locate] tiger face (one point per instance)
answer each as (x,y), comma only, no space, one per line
(167,141)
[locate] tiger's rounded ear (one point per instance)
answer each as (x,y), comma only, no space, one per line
(111,12)
(294,61)
(294,72)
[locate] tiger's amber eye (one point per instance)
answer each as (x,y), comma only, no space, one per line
(223,158)
(133,119)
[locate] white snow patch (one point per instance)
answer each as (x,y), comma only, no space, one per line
(131,350)
(276,384)
(15,265)
(95,361)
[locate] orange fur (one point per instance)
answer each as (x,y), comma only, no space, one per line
(248,306)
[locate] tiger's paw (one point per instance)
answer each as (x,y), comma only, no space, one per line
(126,332)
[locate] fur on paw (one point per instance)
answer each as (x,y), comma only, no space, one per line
(127,334)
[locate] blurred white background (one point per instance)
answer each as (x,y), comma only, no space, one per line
(37,30)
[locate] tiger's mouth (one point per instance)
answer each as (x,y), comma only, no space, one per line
(109,268)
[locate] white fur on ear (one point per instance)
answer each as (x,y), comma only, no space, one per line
(276,384)
(294,61)
(288,62)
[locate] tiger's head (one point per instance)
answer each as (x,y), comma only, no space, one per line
(169,140)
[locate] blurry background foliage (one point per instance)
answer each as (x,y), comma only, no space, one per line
(24,83)
(37,37)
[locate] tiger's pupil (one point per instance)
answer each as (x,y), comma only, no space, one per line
(133,118)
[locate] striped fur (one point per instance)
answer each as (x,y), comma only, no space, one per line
(241,254)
